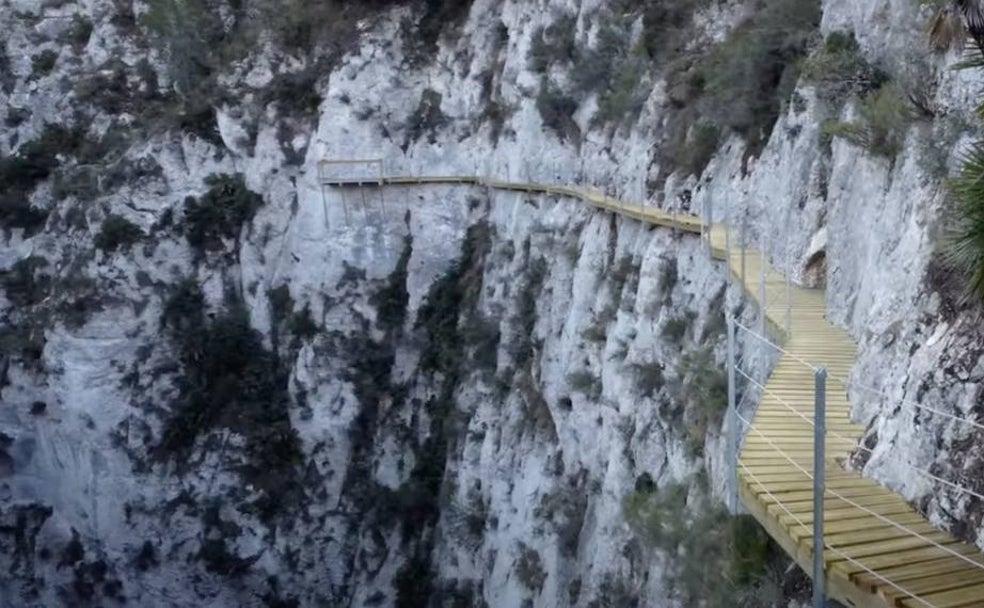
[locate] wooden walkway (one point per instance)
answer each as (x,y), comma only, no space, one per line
(880,552)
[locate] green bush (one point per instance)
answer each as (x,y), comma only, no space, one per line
(649,378)
(658,517)
(665,28)
(218,559)
(707,384)
(21,173)
(595,65)
(281,303)
(302,324)
(529,568)
(79,33)
(482,336)
(701,144)
(675,329)
(436,18)
(750,547)
(427,118)
(231,380)
(839,69)
(746,78)
(884,118)
(597,333)
(554,44)
(624,98)
(193,37)
(521,346)
(296,93)
(219,213)
(557,110)
(714,558)
(117,233)
(414,583)
(25,284)
(392,298)
(43,63)
(615,592)
(587,383)
(23,342)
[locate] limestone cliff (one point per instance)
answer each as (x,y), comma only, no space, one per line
(227,385)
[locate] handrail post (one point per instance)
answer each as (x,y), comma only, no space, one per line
(763,304)
(727,250)
(819,435)
(710,222)
(744,241)
(732,437)
(789,303)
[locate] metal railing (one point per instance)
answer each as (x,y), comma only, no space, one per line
(821,433)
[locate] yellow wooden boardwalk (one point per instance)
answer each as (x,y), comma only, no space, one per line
(879,551)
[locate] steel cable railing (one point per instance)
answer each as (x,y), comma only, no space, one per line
(836,435)
(768,342)
(908,531)
(837,495)
(827,545)
(848,384)
(924,472)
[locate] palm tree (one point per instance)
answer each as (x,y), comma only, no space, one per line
(953,21)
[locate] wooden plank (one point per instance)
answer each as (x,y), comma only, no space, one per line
(904,557)
(920,570)
(857,524)
(929,585)
(958,598)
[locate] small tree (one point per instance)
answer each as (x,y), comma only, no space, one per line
(221,212)
(117,233)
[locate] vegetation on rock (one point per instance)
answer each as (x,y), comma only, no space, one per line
(117,233)
(220,213)
(231,380)
(715,558)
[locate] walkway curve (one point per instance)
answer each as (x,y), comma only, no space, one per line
(879,551)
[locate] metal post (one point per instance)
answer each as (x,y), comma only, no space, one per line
(710,222)
(789,303)
(763,304)
(705,226)
(732,438)
(819,489)
(727,253)
(744,240)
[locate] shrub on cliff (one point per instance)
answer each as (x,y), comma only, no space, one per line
(22,172)
(117,233)
(883,120)
(839,69)
(231,380)
(219,213)
(746,79)
(714,557)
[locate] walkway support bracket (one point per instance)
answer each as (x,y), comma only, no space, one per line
(819,487)
(732,437)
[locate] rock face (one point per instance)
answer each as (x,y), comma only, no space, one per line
(372,397)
